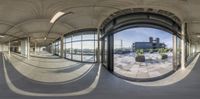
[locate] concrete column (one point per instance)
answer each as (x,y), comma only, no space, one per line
(190,50)
(25,48)
(183,47)
(195,47)
(9,48)
(52,49)
(35,47)
(38,49)
(28,47)
(61,47)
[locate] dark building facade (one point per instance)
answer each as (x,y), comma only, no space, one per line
(152,44)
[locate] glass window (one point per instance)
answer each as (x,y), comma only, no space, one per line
(141,52)
(68,50)
(81,46)
(96,36)
(76,38)
(57,48)
(88,37)
(88,51)
(68,39)
(76,50)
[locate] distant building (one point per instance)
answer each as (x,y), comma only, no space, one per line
(152,44)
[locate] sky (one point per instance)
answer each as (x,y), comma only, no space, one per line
(142,34)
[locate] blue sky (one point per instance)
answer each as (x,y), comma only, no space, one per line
(142,34)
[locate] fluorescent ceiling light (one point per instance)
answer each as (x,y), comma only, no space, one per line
(2,36)
(56,16)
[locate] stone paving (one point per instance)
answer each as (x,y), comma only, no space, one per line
(153,66)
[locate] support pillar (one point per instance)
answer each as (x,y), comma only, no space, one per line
(183,46)
(52,49)
(174,53)
(9,48)
(25,47)
(35,47)
(28,47)
(61,47)
(196,48)
(190,49)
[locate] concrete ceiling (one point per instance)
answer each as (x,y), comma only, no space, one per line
(22,18)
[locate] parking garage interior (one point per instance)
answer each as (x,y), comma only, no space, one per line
(112,49)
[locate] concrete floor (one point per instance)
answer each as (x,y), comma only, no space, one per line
(50,69)
(94,85)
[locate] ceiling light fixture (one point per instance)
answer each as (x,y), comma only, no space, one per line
(198,36)
(2,36)
(58,15)
(45,38)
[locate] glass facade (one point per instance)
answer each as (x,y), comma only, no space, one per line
(143,52)
(76,50)
(141,45)
(137,50)
(190,51)
(57,48)
(81,46)
(68,47)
